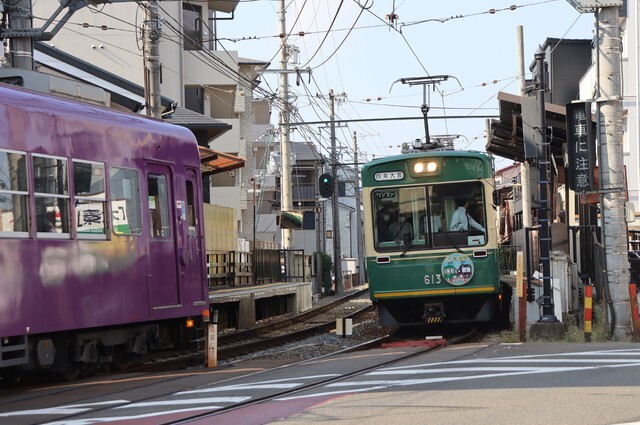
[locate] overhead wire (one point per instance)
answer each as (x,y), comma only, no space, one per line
(214,61)
(343,40)
(333,21)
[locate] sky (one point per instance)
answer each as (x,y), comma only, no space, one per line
(354,50)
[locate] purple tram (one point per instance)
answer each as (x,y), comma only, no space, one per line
(101,235)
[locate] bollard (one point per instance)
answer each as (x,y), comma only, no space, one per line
(635,319)
(212,340)
(587,312)
(344,327)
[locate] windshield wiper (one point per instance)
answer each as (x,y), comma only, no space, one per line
(447,235)
(410,244)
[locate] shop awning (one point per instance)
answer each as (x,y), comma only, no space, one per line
(214,162)
(506,137)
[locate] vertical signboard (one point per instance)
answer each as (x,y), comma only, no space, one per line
(531,129)
(581,147)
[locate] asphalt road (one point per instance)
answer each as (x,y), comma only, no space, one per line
(474,384)
(526,384)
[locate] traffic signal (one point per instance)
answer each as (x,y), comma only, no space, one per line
(326,185)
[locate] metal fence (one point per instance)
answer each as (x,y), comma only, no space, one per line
(263,266)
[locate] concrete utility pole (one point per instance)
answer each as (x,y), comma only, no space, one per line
(609,101)
(544,238)
(21,48)
(335,206)
(152,60)
(525,179)
(286,198)
(361,264)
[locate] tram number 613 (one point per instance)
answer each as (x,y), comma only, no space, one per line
(432,279)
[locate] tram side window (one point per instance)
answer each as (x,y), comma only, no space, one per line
(51,193)
(90,199)
(159,206)
(14,195)
(126,215)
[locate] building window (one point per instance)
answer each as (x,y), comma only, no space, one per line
(192,26)
(194,99)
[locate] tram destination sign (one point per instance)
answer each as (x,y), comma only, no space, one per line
(581,147)
(385,176)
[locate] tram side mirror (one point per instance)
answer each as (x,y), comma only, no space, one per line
(630,212)
(496,198)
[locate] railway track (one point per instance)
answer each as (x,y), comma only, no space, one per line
(470,336)
(312,322)
(244,342)
(169,384)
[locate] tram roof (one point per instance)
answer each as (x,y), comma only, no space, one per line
(426,154)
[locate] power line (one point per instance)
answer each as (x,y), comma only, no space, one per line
(442,117)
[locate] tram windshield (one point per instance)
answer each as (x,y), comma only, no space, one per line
(435,216)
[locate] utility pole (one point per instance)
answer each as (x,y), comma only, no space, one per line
(525,178)
(335,207)
(152,60)
(21,47)
(525,167)
(612,167)
(544,238)
(319,234)
(361,264)
(286,198)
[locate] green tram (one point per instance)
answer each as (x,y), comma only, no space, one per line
(431,239)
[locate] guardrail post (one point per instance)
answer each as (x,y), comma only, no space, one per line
(522,297)
(635,317)
(587,312)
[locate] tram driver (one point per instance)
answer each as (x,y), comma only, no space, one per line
(461,220)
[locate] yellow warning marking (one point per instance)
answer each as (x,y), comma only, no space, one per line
(435,292)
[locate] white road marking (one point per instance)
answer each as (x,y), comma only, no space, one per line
(452,369)
(188,401)
(425,369)
(71,409)
(90,421)
(242,387)
(272,384)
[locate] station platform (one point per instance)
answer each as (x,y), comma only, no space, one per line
(241,306)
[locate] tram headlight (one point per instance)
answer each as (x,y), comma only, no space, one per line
(426,167)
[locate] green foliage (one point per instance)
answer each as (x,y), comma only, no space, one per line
(327,266)
(575,329)
(507,257)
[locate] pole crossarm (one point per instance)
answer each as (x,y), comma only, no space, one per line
(42,33)
(287,71)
